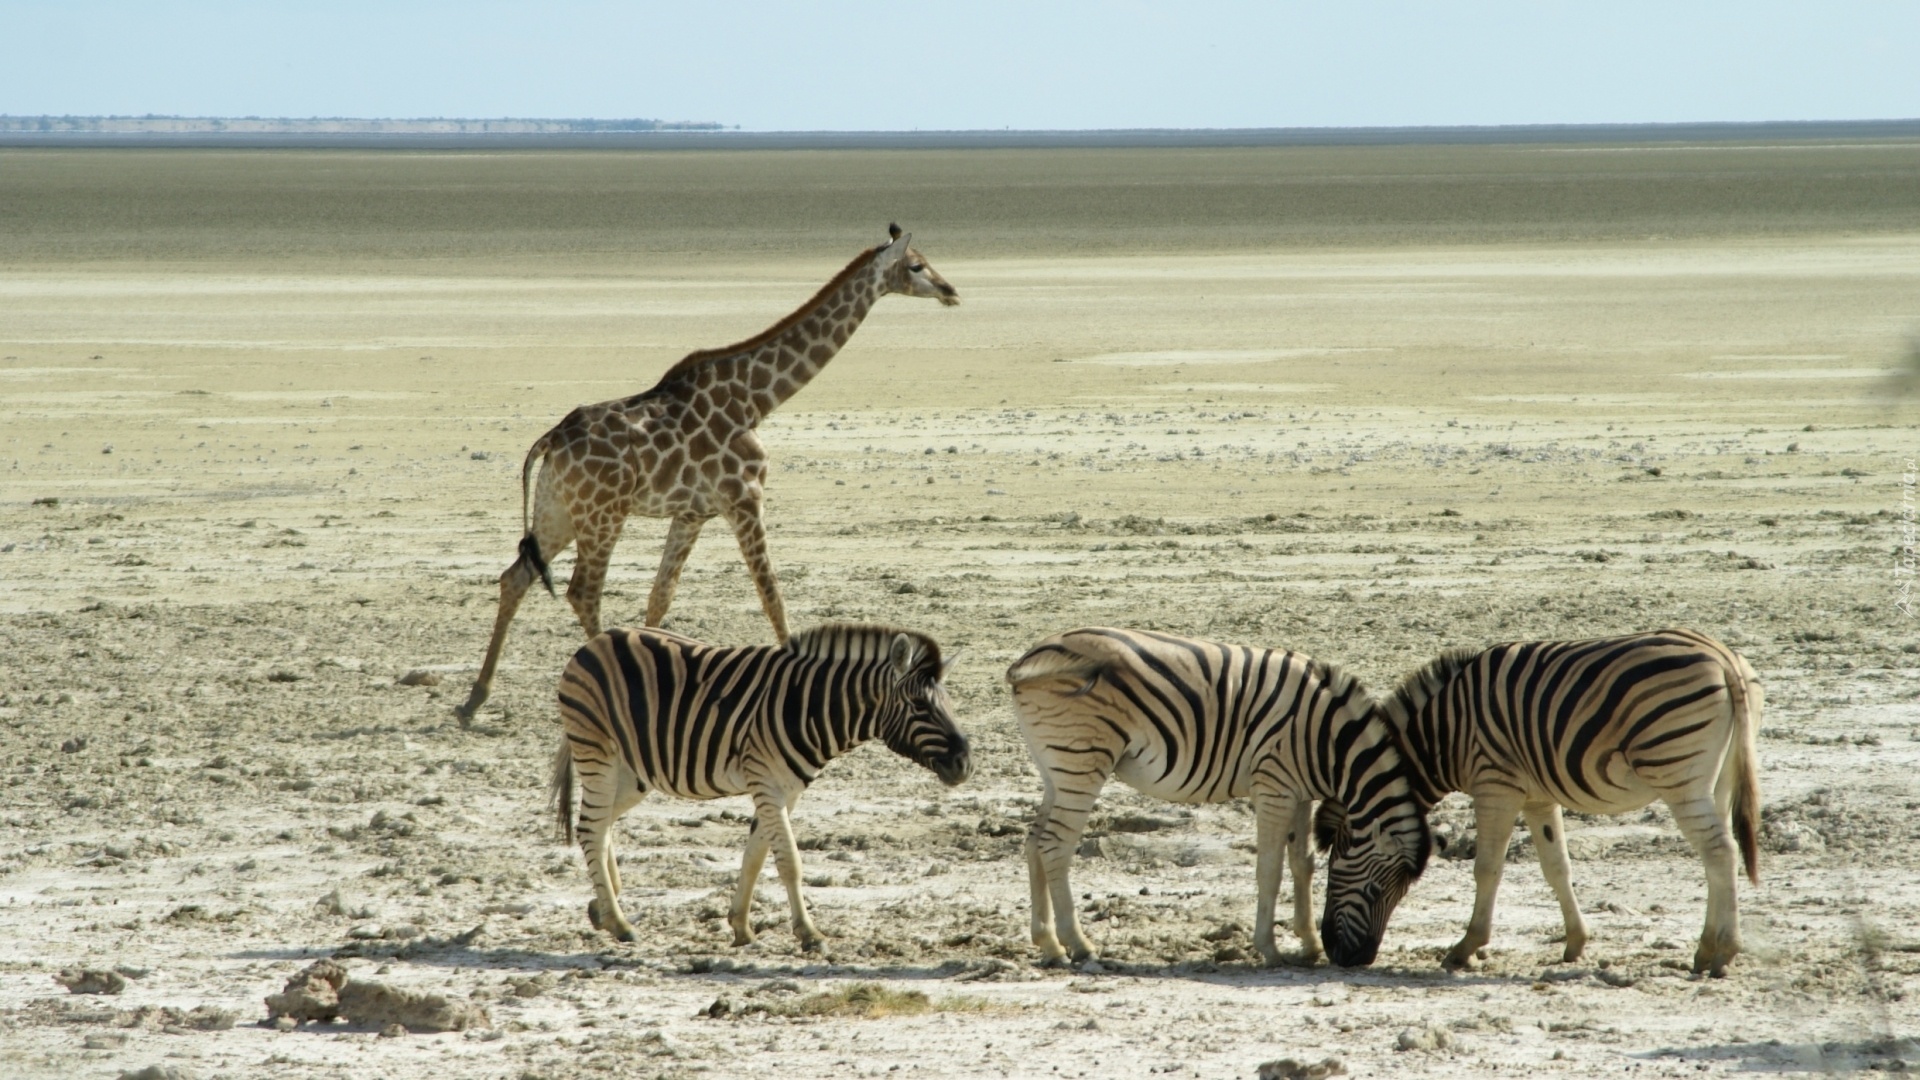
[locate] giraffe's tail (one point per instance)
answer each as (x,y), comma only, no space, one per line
(529,546)
(530,554)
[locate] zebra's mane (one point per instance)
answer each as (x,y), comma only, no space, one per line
(1424,682)
(858,641)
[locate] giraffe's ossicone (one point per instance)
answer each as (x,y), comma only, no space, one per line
(686,451)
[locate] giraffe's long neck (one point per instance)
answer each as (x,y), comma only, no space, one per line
(806,340)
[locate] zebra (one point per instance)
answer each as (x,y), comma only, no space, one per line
(647,709)
(1198,721)
(1604,725)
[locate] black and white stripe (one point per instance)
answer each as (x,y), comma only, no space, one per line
(649,710)
(1602,726)
(1196,721)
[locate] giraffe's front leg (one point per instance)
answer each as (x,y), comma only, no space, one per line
(771,815)
(681,534)
(744,516)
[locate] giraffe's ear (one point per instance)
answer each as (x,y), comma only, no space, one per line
(896,250)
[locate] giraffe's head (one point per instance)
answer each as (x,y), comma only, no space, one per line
(905,271)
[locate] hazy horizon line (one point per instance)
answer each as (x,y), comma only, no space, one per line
(636,133)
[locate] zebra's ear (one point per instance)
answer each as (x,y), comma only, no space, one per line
(904,655)
(946,662)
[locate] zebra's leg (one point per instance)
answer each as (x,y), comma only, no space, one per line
(1300,862)
(771,814)
(1273,814)
(1493,820)
(741,915)
(1041,927)
(1707,829)
(1051,845)
(608,789)
(681,534)
(1550,843)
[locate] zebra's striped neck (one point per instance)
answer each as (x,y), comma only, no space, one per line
(1431,761)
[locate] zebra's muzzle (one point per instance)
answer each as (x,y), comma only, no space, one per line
(954,767)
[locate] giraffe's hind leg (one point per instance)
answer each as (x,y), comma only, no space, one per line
(550,536)
(608,789)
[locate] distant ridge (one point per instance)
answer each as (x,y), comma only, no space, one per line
(328,125)
(555,134)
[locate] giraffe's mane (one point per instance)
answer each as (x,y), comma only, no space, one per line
(1422,683)
(857,641)
(701,356)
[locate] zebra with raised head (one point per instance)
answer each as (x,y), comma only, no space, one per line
(1602,726)
(647,710)
(1197,721)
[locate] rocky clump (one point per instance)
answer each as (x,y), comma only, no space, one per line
(324,992)
(91,981)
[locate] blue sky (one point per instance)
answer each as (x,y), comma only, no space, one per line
(904,64)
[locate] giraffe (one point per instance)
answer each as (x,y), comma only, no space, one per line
(686,451)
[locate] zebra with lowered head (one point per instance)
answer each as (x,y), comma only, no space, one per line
(1602,726)
(1197,721)
(647,710)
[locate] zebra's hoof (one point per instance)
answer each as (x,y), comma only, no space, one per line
(593,914)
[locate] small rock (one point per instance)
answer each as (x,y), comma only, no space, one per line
(285,1023)
(1432,1038)
(157,1072)
(91,981)
(1290,1069)
(419,677)
(74,745)
(104,1042)
(532,986)
(392,1031)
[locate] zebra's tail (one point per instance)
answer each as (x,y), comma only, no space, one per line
(1056,660)
(1743,762)
(530,547)
(560,791)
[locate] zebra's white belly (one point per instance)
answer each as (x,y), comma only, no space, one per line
(1142,773)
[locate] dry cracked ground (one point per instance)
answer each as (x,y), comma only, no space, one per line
(240,502)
